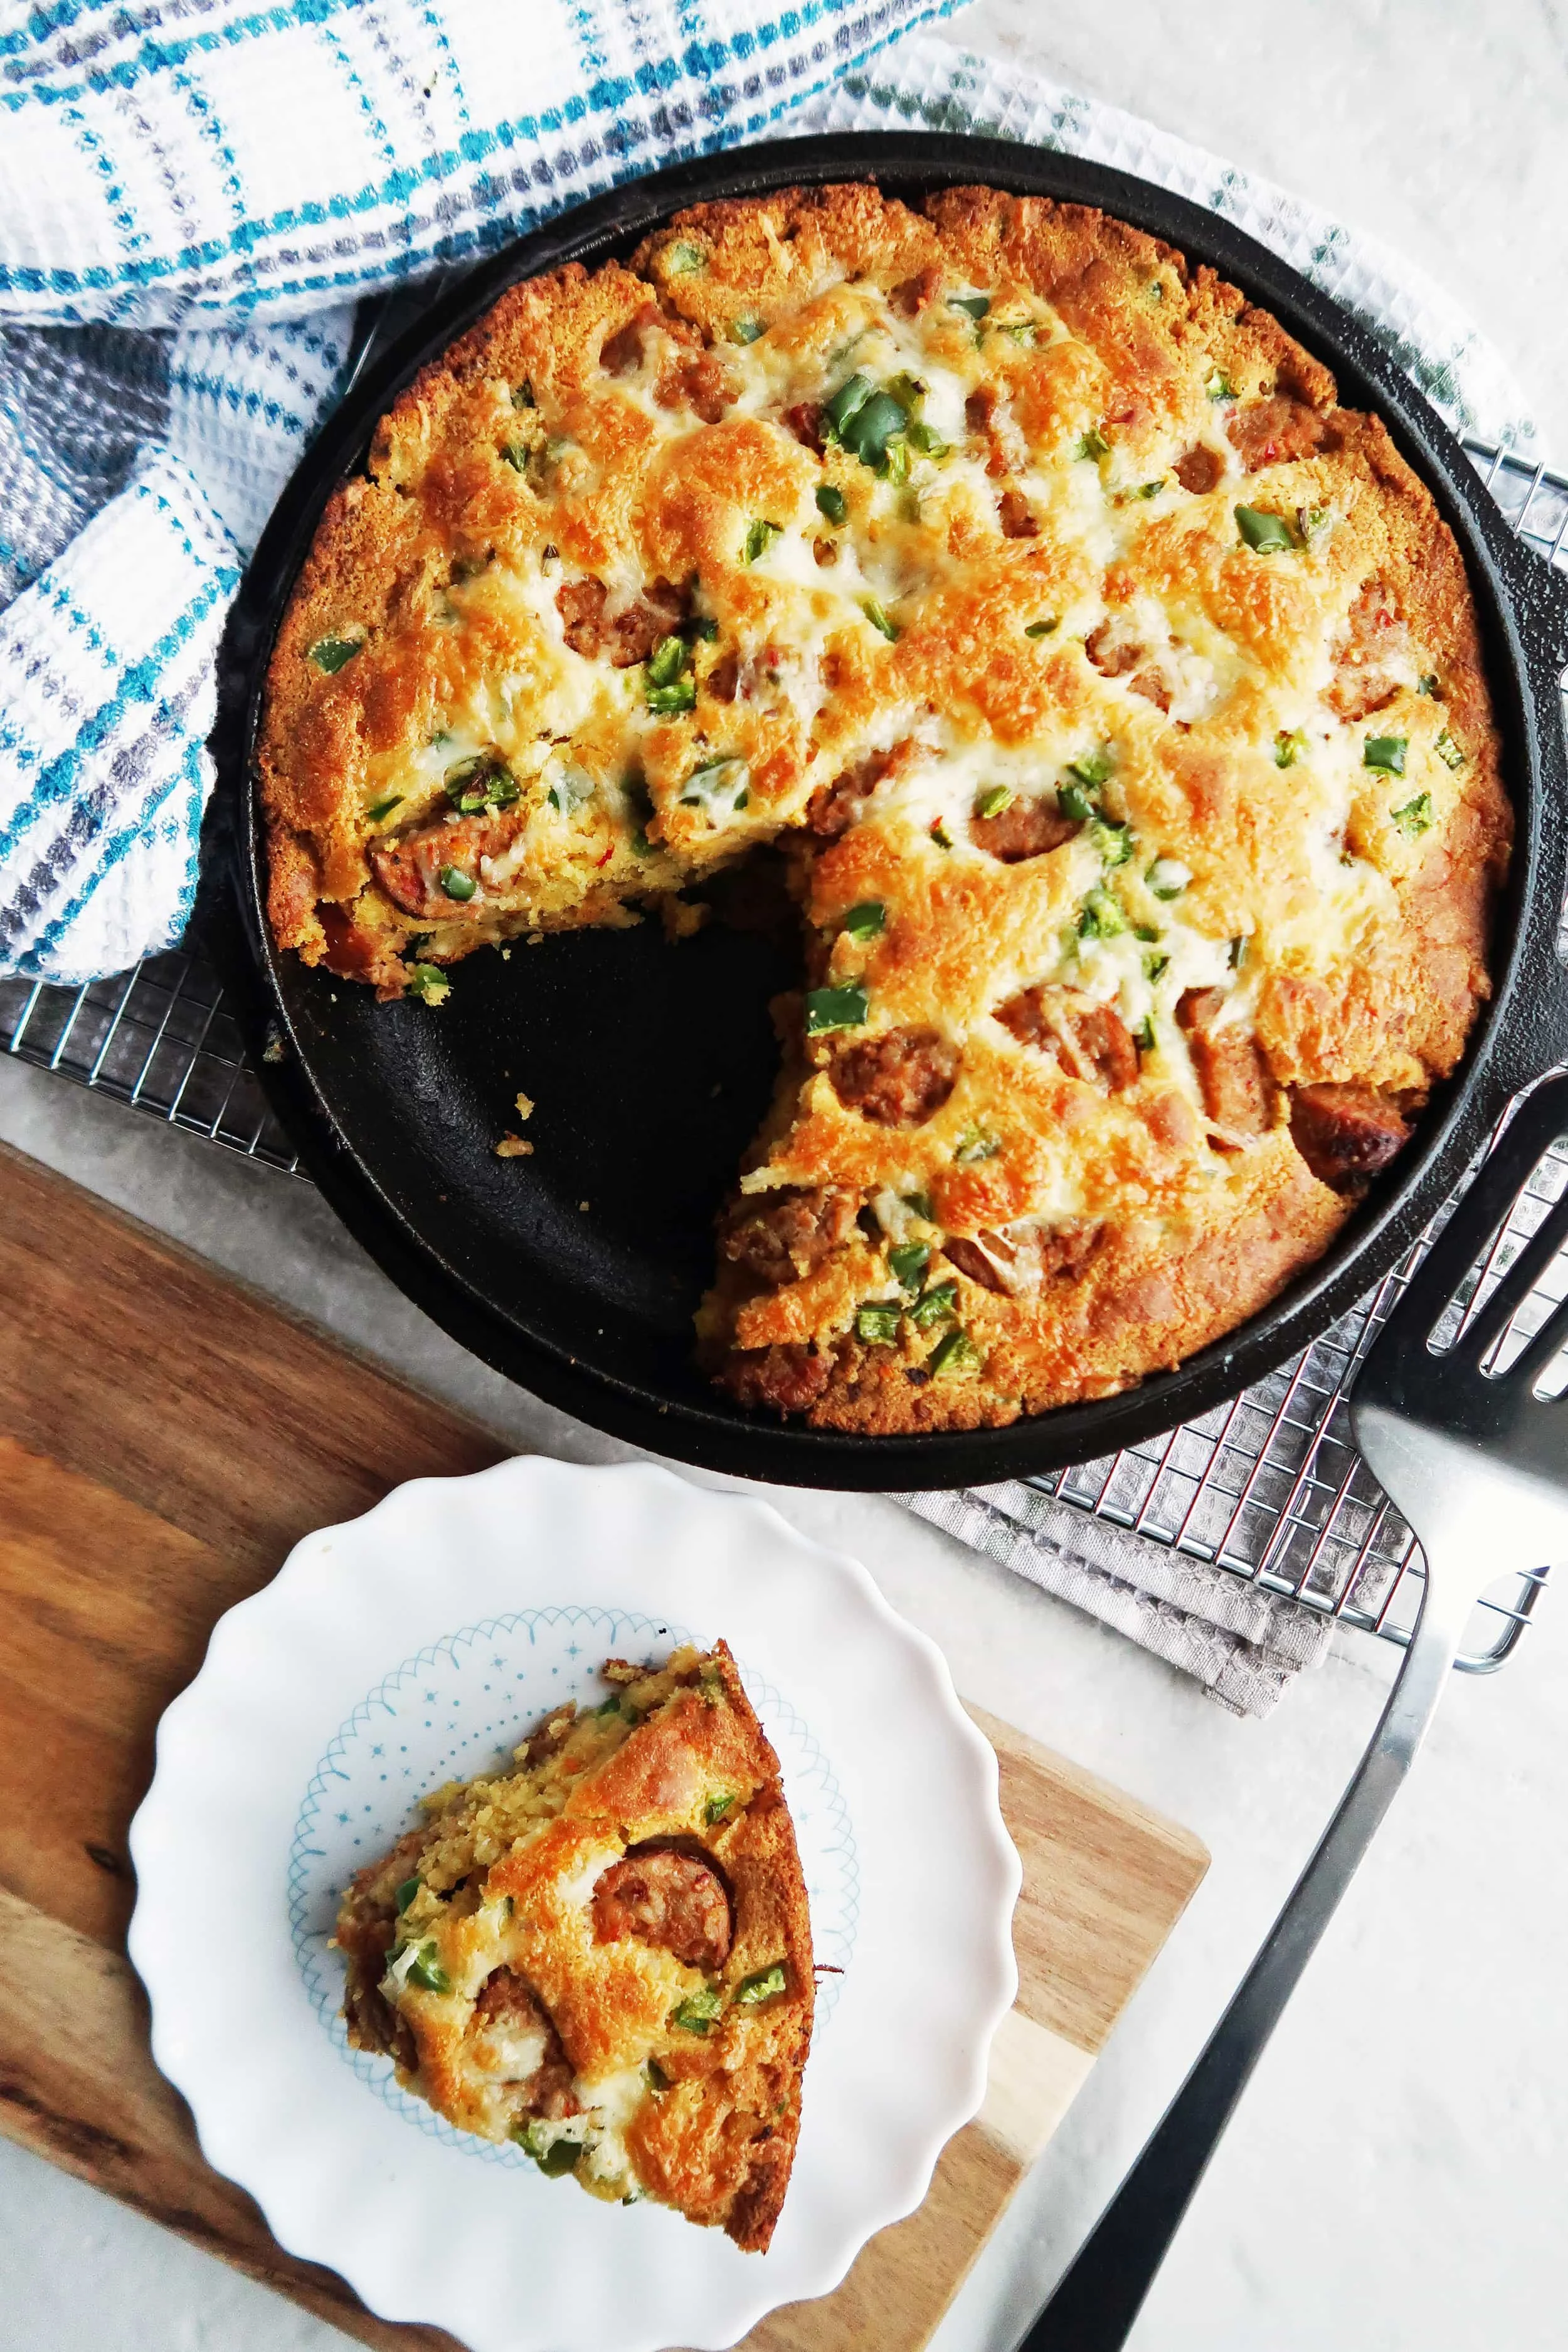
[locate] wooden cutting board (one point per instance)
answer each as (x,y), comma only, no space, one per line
(165,1437)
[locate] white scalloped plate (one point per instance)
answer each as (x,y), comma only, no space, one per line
(415,1645)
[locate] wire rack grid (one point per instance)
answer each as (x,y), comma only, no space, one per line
(1268,1486)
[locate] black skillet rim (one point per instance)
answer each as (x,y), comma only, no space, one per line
(1523,1031)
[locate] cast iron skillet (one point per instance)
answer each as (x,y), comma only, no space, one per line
(575,1271)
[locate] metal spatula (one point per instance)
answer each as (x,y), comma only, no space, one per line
(1479,1465)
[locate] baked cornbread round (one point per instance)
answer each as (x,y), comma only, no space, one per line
(1116,695)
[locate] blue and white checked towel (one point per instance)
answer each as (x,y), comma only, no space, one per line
(192,194)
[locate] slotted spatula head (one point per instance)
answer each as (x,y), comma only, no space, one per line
(1463,1449)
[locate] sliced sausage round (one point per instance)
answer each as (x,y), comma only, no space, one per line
(899,1079)
(581,605)
(1026,827)
(409,867)
(1113,650)
(512,2037)
(1230,1068)
(913,295)
(1199,468)
(697,380)
(788,1237)
(835,807)
(1345,1133)
(970,1259)
(669,1898)
(632,635)
(1092,1040)
(788,1376)
(1369,655)
(1275,432)
(805,420)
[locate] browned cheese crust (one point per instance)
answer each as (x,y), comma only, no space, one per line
(1117,694)
(606,1956)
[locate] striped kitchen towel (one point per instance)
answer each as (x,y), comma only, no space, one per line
(190,198)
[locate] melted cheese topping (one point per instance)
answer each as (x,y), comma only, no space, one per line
(830,509)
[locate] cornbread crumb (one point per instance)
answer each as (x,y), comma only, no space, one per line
(512,1147)
(680,919)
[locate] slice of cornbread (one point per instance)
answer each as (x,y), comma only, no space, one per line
(606,1955)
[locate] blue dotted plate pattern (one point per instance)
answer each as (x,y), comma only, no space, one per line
(459,1709)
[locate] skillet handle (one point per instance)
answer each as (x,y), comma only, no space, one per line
(1541,608)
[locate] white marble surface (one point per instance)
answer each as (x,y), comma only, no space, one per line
(1393,2176)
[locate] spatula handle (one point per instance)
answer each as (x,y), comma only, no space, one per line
(1097,2300)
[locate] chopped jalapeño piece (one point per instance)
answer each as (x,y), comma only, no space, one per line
(1288,746)
(378,809)
(1101,918)
(1092,443)
(937,1305)
(1449,752)
(874,422)
(714,1811)
(865,922)
(554,2158)
(878,616)
(329,654)
(832,502)
(1385,752)
(994,800)
(976,1143)
(456,884)
(406,1893)
(1415,817)
(760,537)
(1265,534)
(425,1971)
(481,783)
(1168,877)
(908,1263)
(429,983)
(851,395)
(835,1008)
(668,658)
(698,2011)
(761,1987)
(878,1324)
(954,1358)
(976,305)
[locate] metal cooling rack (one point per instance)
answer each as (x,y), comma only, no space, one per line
(1268,1486)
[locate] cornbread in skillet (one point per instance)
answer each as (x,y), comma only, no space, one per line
(606,1955)
(1116,695)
